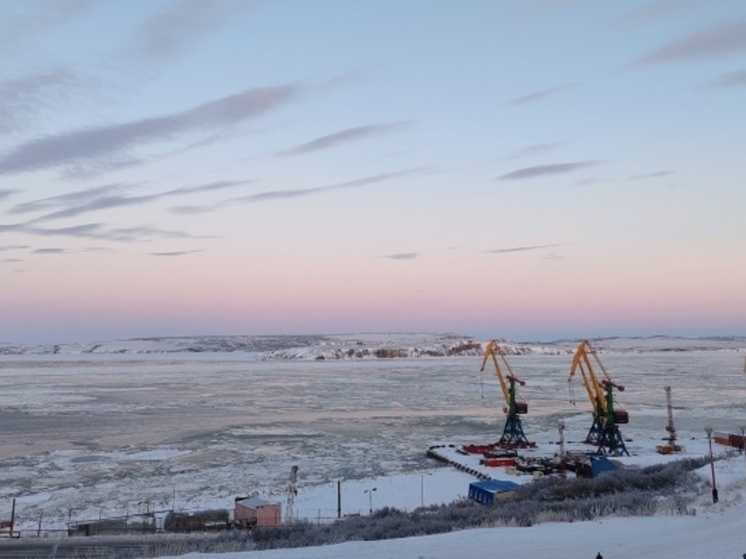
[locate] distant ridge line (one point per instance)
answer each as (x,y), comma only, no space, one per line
(385,345)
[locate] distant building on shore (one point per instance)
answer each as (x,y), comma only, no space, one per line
(254,511)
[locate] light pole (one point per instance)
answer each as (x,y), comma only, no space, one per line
(708,430)
(422,489)
(370,498)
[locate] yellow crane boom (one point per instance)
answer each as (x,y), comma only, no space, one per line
(493,350)
(593,386)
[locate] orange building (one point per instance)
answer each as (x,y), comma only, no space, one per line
(253,511)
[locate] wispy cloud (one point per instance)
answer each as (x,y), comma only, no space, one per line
(270,195)
(732,79)
(529,151)
(519,249)
(176,253)
(169,32)
(97,204)
(208,187)
(586,182)
(285,194)
(536,96)
(104,142)
(402,256)
(6,193)
(100,231)
(157,40)
(722,40)
(85,230)
(543,170)
(533,11)
(9,260)
(652,175)
(48,15)
(194,209)
(142,233)
(660,10)
(351,76)
(96,249)
(49,250)
(346,136)
(4,248)
(102,198)
(23,97)
(78,197)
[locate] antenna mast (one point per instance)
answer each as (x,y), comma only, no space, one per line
(671,445)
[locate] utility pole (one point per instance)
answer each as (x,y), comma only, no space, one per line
(339,499)
(561,427)
(708,430)
(292,492)
(370,499)
(670,427)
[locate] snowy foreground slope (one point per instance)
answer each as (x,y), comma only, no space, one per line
(714,536)
(366,346)
(715,532)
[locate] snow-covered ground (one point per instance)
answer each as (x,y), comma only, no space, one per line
(95,433)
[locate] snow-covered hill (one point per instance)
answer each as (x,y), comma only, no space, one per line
(369,346)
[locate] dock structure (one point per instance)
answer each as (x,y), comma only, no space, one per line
(434,453)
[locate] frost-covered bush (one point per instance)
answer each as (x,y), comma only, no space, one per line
(660,489)
(640,492)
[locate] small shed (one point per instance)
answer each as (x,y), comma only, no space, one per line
(487,491)
(601,465)
(254,511)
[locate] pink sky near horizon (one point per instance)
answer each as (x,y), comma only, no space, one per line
(449,167)
(112,304)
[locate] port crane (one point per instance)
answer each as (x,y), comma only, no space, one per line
(513,436)
(604,431)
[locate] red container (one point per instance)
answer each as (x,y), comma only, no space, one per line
(736,441)
(498,462)
(478,448)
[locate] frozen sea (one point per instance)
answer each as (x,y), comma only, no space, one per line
(93,435)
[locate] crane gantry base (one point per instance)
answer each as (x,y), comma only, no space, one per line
(513,436)
(596,432)
(612,442)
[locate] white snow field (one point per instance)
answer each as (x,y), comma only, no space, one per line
(88,435)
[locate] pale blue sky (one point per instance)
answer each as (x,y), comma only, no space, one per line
(525,169)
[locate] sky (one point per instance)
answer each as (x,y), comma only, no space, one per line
(530,169)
